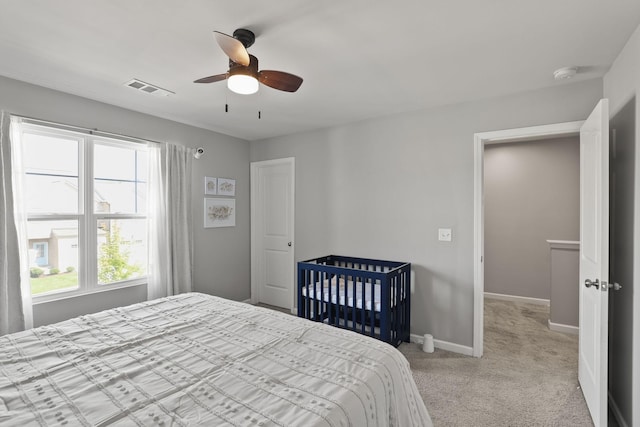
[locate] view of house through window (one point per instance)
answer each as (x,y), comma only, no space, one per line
(86,202)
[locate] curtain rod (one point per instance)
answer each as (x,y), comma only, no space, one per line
(81,129)
(197,152)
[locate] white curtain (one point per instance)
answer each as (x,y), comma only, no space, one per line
(15,293)
(170,242)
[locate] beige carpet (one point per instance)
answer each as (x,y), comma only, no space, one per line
(527,376)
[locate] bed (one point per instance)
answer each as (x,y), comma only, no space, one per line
(195,359)
(368,296)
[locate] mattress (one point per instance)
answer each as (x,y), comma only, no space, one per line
(194,359)
(341,292)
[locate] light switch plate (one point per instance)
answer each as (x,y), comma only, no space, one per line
(444,234)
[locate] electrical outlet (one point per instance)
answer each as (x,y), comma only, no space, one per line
(444,234)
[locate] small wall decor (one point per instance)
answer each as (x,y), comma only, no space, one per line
(210,186)
(226,187)
(219,212)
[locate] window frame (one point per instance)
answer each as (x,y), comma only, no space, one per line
(86,216)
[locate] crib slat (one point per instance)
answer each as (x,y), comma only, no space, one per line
(385,306)
(327,278)
(372,307)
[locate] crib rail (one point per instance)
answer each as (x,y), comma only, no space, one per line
(371,297)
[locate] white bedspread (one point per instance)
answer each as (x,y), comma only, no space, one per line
(195,359)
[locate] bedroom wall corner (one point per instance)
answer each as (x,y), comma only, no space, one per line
(222,256)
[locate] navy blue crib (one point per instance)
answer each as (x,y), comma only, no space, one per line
(368,296)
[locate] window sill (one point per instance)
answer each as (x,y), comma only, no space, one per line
(58,296)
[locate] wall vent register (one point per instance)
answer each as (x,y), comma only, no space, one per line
(148,88)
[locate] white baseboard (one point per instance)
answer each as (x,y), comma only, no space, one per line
(444,345)
(514,298)
(616,412)
(418,339)
(567,329)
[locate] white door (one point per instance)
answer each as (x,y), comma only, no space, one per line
(594,261)
(272,222)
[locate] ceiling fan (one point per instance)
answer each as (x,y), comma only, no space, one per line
(243,75)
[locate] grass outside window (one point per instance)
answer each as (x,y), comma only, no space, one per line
(54,282)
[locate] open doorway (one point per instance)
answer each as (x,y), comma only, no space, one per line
(531,226)
(595,278)
(481,140)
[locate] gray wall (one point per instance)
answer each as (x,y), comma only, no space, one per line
(531,195)
(222,255)
(382,188)
(621,86)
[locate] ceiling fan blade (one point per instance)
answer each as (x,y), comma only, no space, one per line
(212,79)
(280,80)
(233,47)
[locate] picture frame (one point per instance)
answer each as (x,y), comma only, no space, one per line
(226,187)
(210,186)
(219,212)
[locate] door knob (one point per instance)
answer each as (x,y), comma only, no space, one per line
(289,244)
(588,283)
(615,286)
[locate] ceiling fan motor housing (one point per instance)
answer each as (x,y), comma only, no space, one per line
(249,70)
(245,36)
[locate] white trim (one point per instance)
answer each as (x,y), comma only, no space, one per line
(443,345)
(254,224)
(255,234)
(568,243)
(478,246)
(480,140)
(515,298)
(616,412)
(415,338)
(567,329)
(64,295)
(247,301)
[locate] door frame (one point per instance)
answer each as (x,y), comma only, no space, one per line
(256,242)
(480,140)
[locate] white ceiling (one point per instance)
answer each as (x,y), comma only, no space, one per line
(359,58)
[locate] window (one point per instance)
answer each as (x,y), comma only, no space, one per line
(86,203)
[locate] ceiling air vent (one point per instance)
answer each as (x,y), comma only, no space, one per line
(148,88)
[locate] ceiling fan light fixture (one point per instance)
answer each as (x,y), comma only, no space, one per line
(243,84)
(243,80)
